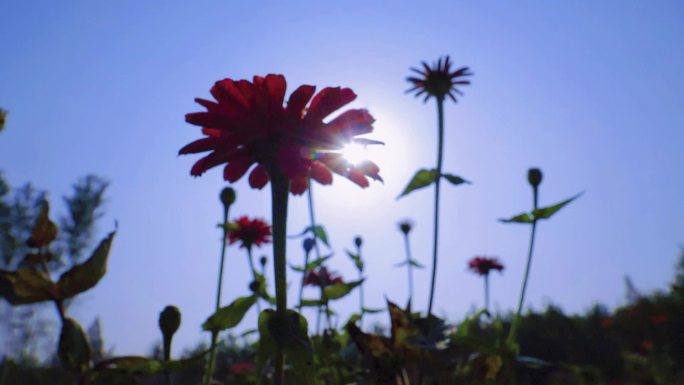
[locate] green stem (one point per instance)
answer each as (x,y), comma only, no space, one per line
(254,276)
(312,219)
(440,145)
(409,266)
(280,186)
(517,319)
(209,375)
(486,292)
(301,287)
(361,302)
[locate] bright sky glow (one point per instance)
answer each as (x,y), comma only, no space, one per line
(587,91)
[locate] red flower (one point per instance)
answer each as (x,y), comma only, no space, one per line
(250,232)
(242,367)
(646,345)
(248,125)
(483,265)
(321,278)
(607,322)
(439,81)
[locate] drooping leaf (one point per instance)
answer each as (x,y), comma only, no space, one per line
(248,332)
(87,274)
(371,310)
(421,179)
(229,316)
(339,290)
(547,212)
(25,286)
(318,231)
(311,303)
(74,351)
(357,260)
(520,218)
(44,230)
(290,335)
(454,179)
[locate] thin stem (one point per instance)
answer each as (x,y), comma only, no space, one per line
(301,287)
(440,145)
(486,292)
(312,219)
(214,335)
(517,319)
(254,276)
(280,186)
(409,266)
(361,302)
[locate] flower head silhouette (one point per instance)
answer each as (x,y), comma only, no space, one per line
(248,124)
(322,278)
(250,232)
(439,80)
(483,265)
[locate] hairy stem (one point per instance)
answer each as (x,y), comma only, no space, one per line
(280,186)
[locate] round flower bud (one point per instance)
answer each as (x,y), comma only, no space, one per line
(254,286)
(308,244)
(534,176)
(358,241)
(169,321)
(405,226)
(263,260)
(227,197)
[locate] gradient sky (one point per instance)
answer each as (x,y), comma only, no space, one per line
(590,93)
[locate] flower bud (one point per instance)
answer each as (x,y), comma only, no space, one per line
(534,176)
(358,241)
(263,260)
(169,321)
(227,197)
(254,286)
(308,244)
(405,226)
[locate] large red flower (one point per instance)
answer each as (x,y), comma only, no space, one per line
(483,265)
(248,124)
(251,232)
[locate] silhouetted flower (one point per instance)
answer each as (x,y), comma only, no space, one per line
(439,81)
(248,125)
(483,265)
(250,232)
(321,277)
(405,226)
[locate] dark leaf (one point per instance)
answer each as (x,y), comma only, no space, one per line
(371,310)
(312,265)
(454,179)
(422,178)
(339,290)
(311,303)
(74,351)
(44,230)
(547,212)
(3,118)
(357,260)
(86,275)
(229,316)
(318,231)
(25,286)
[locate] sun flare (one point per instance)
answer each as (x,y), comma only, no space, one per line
(355,153)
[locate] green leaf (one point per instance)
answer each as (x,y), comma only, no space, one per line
(416,264)
(229,316)
(312,265)
(369,310)
(262,290)
(353,318)
(339,290)
(318,231)
(311,303)
(74,351)
(44,230)
(86,275)
(454,179)
(520,218)
(421,179)
(290,334)
(25,286)
(357,260)
(547,212)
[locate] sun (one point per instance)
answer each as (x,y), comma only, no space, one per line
(354,153)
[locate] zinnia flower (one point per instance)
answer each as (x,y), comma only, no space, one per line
(483,265)
(250,232)
(321,278)
(248,124)
(439,81)
(242,367)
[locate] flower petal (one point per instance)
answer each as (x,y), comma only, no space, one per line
(298,100)
(226,92)
(370,169)
(351,123)
(320,173)
(357,177)
(258,178)
(298,185)
(200,145)
(328,101)
(291,161)
(236,168)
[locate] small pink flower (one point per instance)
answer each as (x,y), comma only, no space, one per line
(483,265)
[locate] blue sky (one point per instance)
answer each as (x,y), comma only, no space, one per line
(587,92)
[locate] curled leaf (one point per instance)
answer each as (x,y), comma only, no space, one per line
(44,230)
(25,286)
(87,274)
(229,316)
